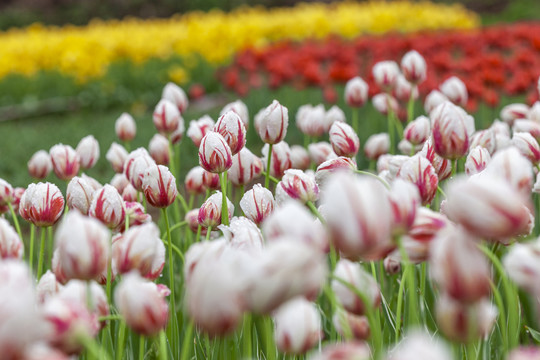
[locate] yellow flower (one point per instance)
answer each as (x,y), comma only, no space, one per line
(178,75)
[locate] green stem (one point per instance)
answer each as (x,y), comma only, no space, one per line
(31,250)
(89,300)
(273,179)
(171,267)
(208,231)
(198,236)
(502,314)
(175,248)
(412,298)
(374,176)
(186,345)
(41,252)
(142,341)
(315,212)
(390,128)
(224,207)
(410,106)
(268,164)
(185,206)
(109,280)
(94,350)
(110,317)
(400,302)
(247,337)
(15,221)
(355,119)
(162,346)
(121,339)
(176,226)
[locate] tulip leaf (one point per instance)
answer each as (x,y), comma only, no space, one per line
(534,333)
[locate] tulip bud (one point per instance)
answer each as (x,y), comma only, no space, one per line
(419,346)
(198,128)
(299,157)
(327,168)
(159,149)
(274,123)
(178,134)
(135,214)
(194,181)
(527,146)
(333,115)
(243,234)
(524,353)
(377,145)
(522,264)
(125,127)
(477,160)
(175,95)
(450,136)
(65,161)
(406,147)
(135,166)
(192,220)
(257,204)
(77,290)
(281,158)
(529,126)
(11,246)
(419,171)
(455,90)
(131,194)
(40,165)
(240,109)
(414,67)
(42,204)
(534,112)
(488,207)
(385,74)
(359,217)
(405,200)
(434,99)
(310,120)
(166,117)
(211,180)
(382,102)
(297,326)
(353,274)
(141,249)
(344,351)
(344,140)
(442,166)
(6,195)
(159,186)
(215,154)
(108,207)
(404,90)
(465,322)
(511,113)
(245,168)
(47,287)
(349,325)
(117,156)
(418,130)
(356,92)
(17,195)
(516,169)
(484,138)
(88,151)
(231,127)
(79,195)
(298,185)
(210,211)
(392,264)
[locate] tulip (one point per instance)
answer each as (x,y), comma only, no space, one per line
(11,246)
(353,274)
(488,207)
(310,120)
(477,160)
(511,113)
(159,149)
(211,180)
(140,248)
(418,130)
(404,90)
(192,220)
(515,168)
(321,152)
(125,127)
(78,290)
(377,145)
(47,287)
(359,217)
(529,126)
(135,214)
(178,133)
(117,156)
(534,112)
(245,168)
(205,252)
(347,325)
(344,351)
(499,127)
(175,95)
(356,92)
(17,195)
(434,99)
(413,67)
(392,262)
(344,140)
(198,128)
(42,204)
(194,181)
(166,117)
(84,246)
(385,74)
(442,166)
(40,165)
(527,146)
(215,154)
(88,151)
(65,161)
(419,346)
(6,195)
(298,185)
(292,220)
(455,90)
(43,351)
(299,157)
(243,234)
(405,200)
(210,211)
(333,115)
(257,204)
(159,186)
(79,195)
(297,326)
(523,266)
(465,322)
(524,353)
(108,207)
(231,127)
(327,168)
(405,147)
(419,171)
(135,166)
(383,102)
(131,194)
(484,138)
(274,123)
(240,109)
(450,131)
(281,158)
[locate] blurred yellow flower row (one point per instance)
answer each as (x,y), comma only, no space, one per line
(86,52)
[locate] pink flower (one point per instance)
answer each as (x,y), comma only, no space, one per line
(175,95)
(135,166)
(404,90)
(320,152)
(414,67)
(108,207)
(511,113)
(382,102)
(311,120)
(455,90)
(376,145)
(117,155)
(47,287)
(231,127)
(125,127)
(42,204)
(65,161)
(245,168)
(356,92)
(215,154)
(135,214)
(79,195)
(405,200)
(419,171)
(11,246)
(434,99)
(477,160)
(420,346)
(386,74)
(347,325)
(484,138)
(240,109)
(509,164)
(273,124)
(77,290)
(198,128)
(159,149)
(527,146)
(333,115)
(522,263)
(40,165)
(281,158)
(257,204)
(210,211)
(418,130)
(344,351)
(166,117)
(88,151)
(159,186)
(450,130)
(298,185)
(442,166)
(344,140)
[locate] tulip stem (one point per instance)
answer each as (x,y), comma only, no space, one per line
(141,347)
(410,106)
(208,231)
(171,272)
(224,207)
(198,236)
(31,250)
(15,221)
(121,338)
(186,345)
(375,176)
(185,206)
(109,280)
(273,179)
(94,350)
(41,253)
(247,337)
(355,119)
(268,164)
(176,249)
(315,212)
(162,346)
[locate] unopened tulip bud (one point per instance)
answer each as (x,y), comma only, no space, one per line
(527,146)
(419,171)
(245,168)
(299,157)
(386,74)
(117,155)
(392,264)
(344,351)
(194,181)
(529,126)
(17,195)
(382,102)
(450,133)
(159,149)
(350,325)
(47,287)
(11,246)
(522,264)
(377,145)
(405,147)
(192,220)
(135,166)
(231,127)
(210,211)
(534,112)
(108,207)
(166,117)
(88,151)
(140,248)
(511,113)
(6,195)
(175,95)
(211,180)
(79,195)
(42,204)
(434,99)
(131,194)
(281,158)
(327,168)
(333,115)
(257,204)
(243,234)
(477,160)
(159,186)
(405,200)
(274,123)
(404,89)
(40,165)
(442,166)
(125,127)
(484,138)
(413,67)
(299,186)
(178,134)
(465,322)
(524,353)
(240,109)
(419,346)
(65,161)
(297,326)
(310,120)
(418,131)
(198,128)
(344,140)
(353,274)
(356,92)
(215,154)
(455,90)
(135,214)
(516,169)
(82,291)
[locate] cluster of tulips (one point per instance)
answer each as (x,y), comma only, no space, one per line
(323,260)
